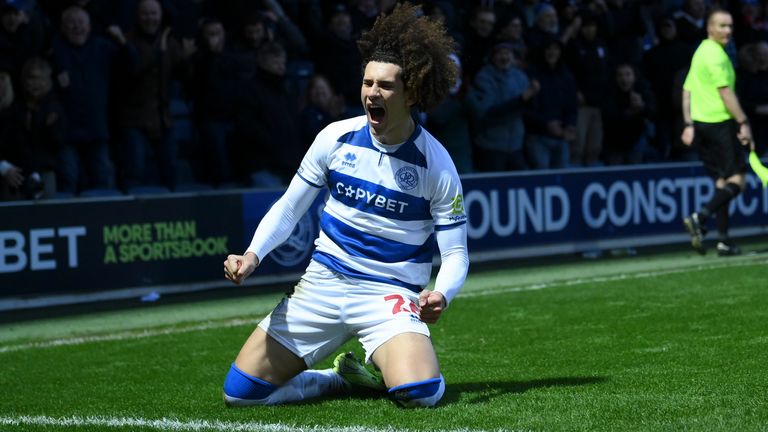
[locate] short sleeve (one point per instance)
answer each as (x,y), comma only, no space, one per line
(718,73)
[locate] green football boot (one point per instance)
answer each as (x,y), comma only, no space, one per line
(355,373)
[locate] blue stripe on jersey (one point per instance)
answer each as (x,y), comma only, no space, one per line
(376,199)
(307,181)
(360,244)
(447,227)
(408,152)
(334,264)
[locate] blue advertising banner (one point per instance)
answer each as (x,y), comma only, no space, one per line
(579,209)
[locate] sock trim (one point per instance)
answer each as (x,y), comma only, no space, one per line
(419,389)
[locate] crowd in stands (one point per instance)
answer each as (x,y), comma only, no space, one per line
(173,95)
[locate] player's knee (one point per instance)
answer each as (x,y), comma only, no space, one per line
(421,394)
(241,389)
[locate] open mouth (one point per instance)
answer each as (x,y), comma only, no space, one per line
(376,113)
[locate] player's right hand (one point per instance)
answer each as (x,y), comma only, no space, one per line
(239,267)
(687,136)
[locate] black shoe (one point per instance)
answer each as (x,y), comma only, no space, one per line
(727,248)
(693,226)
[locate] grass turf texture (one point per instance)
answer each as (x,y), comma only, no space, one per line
(665,342)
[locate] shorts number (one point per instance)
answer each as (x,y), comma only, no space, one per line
(400,305)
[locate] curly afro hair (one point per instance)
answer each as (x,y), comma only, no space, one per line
(420,46)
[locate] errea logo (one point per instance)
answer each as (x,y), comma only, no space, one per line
(349,160)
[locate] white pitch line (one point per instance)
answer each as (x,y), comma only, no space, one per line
(128,335)
(186,425)
(131,335)
(598,279)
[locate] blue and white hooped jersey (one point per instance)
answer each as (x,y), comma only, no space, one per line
(385,203)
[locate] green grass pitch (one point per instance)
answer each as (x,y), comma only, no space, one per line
(662,342)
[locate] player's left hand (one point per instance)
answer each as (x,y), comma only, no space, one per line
(745,135)
(431,306)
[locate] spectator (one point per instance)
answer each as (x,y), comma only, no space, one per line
(449,123)
(628,114)
(23,34)
(84,64)
(512,32)
(188,15)
(216,77)
(254,33)
(100,12)
(363,14)
(661,66)
(11,176)
(336,55)
(143,101)
(268,143)
(36,132)
(497,98)
(123,14)
(551,117)
(752,88)
(284,30)
(507,9)
(323,106)
(749,23)
(444,12)
(690,22)
(629,28)
(530,9)
(478,41)
(547,27)
(588,59)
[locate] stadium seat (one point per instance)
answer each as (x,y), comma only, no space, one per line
(148,190)
(100,192)
(193,187)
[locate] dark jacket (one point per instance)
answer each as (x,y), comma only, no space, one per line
(556,100)
(266,132)
(588,60)
(143,87)
(35,136)
(86,98)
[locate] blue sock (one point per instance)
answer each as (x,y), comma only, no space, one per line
(239,386)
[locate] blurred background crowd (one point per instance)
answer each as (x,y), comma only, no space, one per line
(102,97)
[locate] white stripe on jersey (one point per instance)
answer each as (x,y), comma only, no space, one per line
(385,202)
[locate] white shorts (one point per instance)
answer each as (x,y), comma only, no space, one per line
(327,309)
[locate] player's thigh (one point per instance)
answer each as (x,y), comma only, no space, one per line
(406,358)
(265,358)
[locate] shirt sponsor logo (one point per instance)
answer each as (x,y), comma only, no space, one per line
(457,205)
(407,178)
(370,198)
